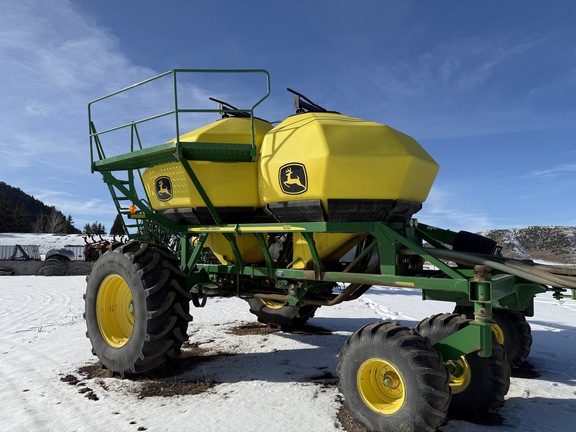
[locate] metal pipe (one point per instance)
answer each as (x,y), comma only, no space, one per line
(351,292)
(513,267)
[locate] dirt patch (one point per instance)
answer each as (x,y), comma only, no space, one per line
(83,389)
(95,370)
(348,421)
(326,378)
(488,419)
(70,379)
(263,329)
(525,370)
(252,329)
(163,382)
(174,388)
(192,354)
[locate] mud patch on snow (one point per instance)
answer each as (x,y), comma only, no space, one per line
(525,370)
(263,329)
(83,389)
(252,329)
(488,419)
(95,370)
(169,388)
(325,378)
(348,421)
(167,381)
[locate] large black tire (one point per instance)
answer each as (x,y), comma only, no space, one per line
(393,380)
(279,314)
(51,267)
(136,309)
(480,386)
(511,329)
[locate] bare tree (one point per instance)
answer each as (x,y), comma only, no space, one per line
(39,225)
(56,221)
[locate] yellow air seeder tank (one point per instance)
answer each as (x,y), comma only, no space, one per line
(322,166)
(231,186)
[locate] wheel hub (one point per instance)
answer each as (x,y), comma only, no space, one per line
(273,304)
(460,374)
(381,386)
(115,311)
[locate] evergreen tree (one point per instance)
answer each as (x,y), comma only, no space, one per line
(118,226)
(19,223)
(6,214)
(94,228)
(69,227)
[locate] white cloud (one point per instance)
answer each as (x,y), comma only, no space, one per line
(54,61)
(448,210)
(554,171)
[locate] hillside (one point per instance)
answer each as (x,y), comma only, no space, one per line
(20,212)
(553,244)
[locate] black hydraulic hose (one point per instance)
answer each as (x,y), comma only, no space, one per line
(506,265)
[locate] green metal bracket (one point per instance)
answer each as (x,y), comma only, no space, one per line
(437,237)
(476,337)
(387,248)
(192,258)
(309,237)
(237,255)
(383,229)
(201,191)
(267,257)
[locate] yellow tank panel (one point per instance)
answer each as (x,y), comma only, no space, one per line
(328,245)
(231,130)
(247,244)
(320,156)
(227,184)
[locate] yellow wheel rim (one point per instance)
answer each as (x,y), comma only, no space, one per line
(273,304)
(460,375)
(381,386)
(115,311)
(497,330)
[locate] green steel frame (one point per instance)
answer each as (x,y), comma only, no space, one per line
(391,254)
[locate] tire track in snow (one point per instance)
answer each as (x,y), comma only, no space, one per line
(384,312)
(40,309)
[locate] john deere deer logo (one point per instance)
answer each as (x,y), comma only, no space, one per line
(293,179)
(163,189)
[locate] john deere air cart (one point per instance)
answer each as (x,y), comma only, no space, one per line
(278,215)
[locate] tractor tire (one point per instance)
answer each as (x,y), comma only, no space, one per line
(511,329)
(136,309)
(51,267)
(393,380)
(480,386)
(279,314)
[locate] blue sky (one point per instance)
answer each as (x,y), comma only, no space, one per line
(487,87)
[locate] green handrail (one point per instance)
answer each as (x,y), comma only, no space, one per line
(93,134)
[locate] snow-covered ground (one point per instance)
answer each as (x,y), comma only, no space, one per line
(253,379)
